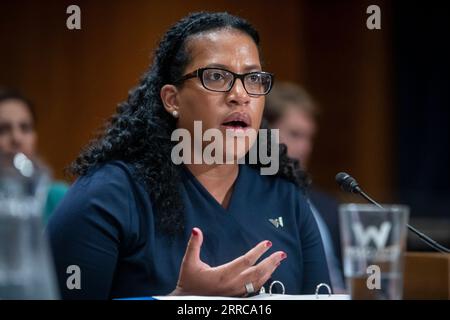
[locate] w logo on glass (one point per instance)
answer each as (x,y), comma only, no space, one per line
(378,235)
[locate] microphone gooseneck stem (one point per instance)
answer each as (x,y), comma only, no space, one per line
(426,239)
(366,196)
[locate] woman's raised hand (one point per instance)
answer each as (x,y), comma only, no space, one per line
(236,278)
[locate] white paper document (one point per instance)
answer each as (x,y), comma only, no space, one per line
(264,296)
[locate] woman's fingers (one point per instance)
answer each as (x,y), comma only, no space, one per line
(270,263)
(247,260)
(192,255)
(259,274)
(229,279)
(265,268)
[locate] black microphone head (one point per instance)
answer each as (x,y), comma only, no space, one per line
(347,182)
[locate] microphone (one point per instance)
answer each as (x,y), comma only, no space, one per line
(349,184)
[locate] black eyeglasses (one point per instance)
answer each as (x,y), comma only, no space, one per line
(256,83)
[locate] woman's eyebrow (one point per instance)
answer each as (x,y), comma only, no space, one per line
(247,68)
(217,65)
(252,67)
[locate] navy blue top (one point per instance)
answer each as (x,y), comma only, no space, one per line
(106,226)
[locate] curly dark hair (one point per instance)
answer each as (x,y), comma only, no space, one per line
(140,131)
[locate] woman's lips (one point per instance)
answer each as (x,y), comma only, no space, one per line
(237,121)
(235,128)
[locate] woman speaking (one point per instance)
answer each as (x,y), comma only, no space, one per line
(135,223)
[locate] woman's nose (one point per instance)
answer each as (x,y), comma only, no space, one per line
(238,95)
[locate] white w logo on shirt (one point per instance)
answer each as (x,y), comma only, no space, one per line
(379,236)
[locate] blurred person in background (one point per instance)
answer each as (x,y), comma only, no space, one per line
(293,111)
(18,135)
